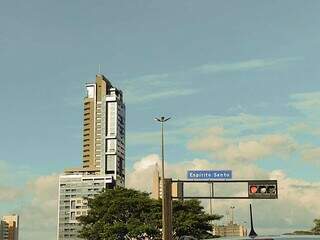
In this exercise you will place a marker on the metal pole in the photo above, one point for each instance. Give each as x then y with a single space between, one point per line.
212 196
210 199
164 230
162 152
167 200
252 233
232 214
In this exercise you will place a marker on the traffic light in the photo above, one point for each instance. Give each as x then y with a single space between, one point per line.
266 189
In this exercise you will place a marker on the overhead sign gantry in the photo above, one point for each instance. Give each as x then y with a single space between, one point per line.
257 189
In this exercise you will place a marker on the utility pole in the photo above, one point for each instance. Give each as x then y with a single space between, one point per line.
167 209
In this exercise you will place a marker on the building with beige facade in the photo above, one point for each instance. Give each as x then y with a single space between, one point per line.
9 227
4 230
103 152
103 131
156 183
230 230
156 191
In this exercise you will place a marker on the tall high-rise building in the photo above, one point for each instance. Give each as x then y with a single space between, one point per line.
103 164
104 129
10 227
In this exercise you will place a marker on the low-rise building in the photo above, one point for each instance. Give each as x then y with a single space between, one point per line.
74 192
4 230
230 230
156 192
9 227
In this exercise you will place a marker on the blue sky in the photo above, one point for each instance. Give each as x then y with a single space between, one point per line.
248 68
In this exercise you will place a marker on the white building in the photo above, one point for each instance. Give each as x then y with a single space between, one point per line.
74 190
230 230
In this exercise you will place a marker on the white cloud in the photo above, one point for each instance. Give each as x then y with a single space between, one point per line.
243 65
140 97
38 217
229 123
213 141
153 87
8 194
243 149
311 154
35 202
178 130
141 176
308 103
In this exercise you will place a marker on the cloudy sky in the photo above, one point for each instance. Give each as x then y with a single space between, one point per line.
240 79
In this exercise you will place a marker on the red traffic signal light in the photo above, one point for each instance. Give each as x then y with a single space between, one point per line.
253 189
267 189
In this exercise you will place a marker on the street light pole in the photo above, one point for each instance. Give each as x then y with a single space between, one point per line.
232 214
162 120
162 152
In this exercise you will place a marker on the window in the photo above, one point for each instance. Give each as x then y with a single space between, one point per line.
110 145
110 163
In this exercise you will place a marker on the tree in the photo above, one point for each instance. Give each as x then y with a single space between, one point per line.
129 214
189 218
316 228
121 214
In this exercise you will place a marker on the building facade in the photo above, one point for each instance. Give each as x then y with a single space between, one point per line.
230 230
9 228
74 190
103 164
4 230
104 130
156 191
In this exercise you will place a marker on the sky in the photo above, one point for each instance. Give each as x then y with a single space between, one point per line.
240 80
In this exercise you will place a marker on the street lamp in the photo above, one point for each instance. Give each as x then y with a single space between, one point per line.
162 120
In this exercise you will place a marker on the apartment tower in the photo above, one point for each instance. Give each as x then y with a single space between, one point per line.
103 163
104 130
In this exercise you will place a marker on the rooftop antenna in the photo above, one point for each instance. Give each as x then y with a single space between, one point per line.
99 68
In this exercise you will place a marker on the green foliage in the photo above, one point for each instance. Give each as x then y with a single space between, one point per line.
119 214
127 214
189 218
316 228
